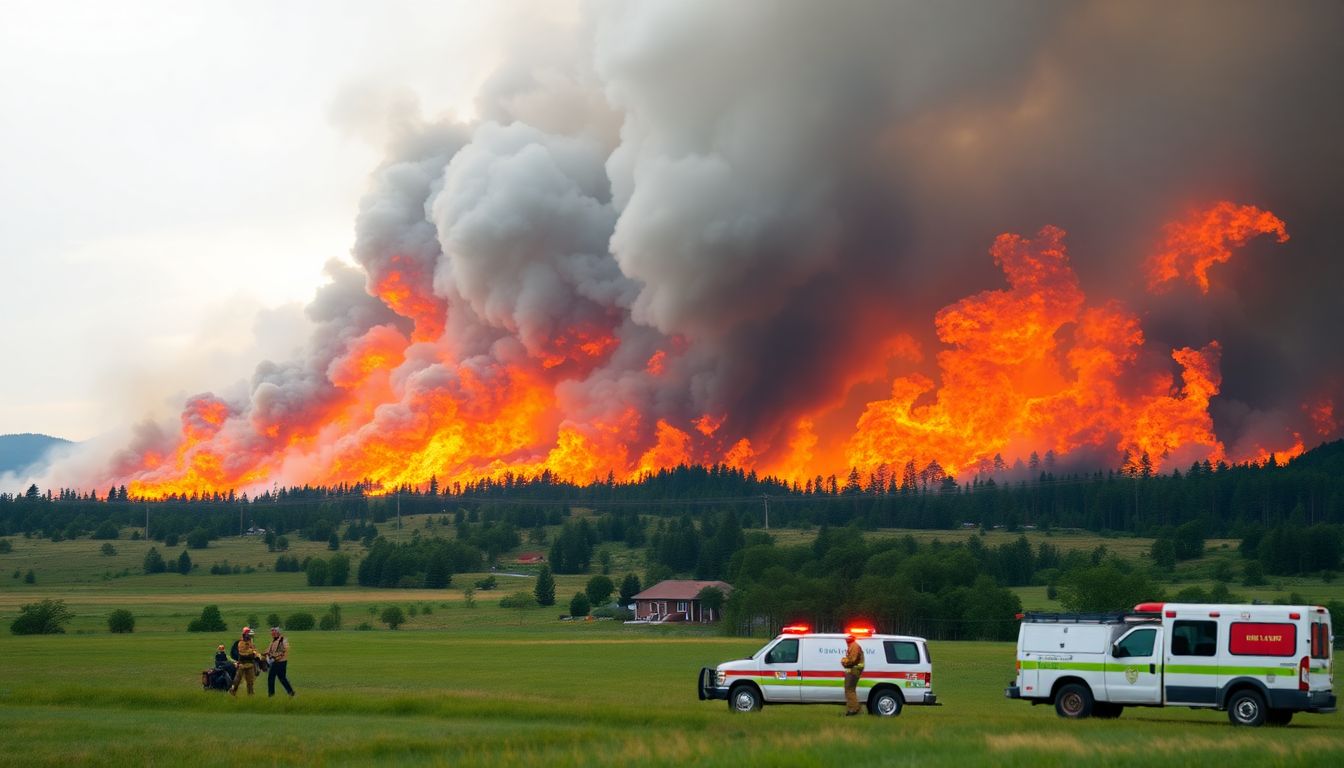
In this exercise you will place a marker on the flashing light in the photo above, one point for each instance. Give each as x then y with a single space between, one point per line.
796 629
1171 614
859 631
1304 674
1294 616
1149 607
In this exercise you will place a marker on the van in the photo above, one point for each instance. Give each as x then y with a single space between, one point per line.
803 667
1259 663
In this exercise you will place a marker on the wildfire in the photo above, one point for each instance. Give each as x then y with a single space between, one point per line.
1035 366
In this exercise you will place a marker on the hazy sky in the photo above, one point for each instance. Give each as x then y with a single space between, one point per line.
174 176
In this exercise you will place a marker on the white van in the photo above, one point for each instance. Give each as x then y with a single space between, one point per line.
1260 663
803 667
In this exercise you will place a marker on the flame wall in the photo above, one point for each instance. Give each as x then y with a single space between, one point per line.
755 233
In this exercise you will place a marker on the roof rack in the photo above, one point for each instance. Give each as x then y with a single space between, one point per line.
1115 617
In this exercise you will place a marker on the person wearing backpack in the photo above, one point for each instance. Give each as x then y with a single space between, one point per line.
247 663
278 654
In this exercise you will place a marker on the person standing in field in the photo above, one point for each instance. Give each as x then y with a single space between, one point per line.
278 653
247 663
853 664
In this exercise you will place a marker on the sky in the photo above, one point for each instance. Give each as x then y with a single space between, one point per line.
174 177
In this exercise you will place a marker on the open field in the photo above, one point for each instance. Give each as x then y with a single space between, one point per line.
487 686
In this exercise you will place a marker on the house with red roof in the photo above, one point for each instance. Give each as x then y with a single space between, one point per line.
530 558
677 600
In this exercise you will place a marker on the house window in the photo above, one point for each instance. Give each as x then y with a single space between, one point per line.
681 606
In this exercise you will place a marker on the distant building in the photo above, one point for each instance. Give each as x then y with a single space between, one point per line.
675 600
530 558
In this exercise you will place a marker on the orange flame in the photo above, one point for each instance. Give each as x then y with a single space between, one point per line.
1206 238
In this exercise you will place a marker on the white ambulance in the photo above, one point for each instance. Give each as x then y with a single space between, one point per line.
1260 663
803 667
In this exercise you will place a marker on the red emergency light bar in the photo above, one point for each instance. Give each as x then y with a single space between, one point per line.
1149 607
859 631
796 629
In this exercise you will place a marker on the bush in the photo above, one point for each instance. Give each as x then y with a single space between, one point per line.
108 530
364 626
120 621
287 564
613 612
300 622
317 572
210 620
327 623
45 618
199 538
154 561
1253 574
518 600
393 617
489 582
107 549
579 605
338 570
30 577
170 540
6 546
599 589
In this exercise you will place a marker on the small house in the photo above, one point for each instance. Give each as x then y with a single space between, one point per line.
677 600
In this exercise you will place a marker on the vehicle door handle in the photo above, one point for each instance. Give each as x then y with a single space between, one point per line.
1152 669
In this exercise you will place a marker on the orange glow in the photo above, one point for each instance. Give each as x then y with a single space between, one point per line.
1033 367
1192 246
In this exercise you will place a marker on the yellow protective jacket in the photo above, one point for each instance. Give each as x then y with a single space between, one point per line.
853 660
247 653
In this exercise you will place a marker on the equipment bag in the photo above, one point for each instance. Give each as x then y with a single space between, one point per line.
233 651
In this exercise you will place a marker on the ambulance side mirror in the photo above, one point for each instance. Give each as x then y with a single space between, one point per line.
1117 651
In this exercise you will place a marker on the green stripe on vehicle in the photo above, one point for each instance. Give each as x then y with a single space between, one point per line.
1078 666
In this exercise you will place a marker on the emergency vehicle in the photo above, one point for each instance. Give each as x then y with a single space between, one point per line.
800 666
1260 663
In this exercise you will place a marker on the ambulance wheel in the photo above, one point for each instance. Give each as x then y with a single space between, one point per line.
885 702
1246 707
744 698
1279 716
1074 701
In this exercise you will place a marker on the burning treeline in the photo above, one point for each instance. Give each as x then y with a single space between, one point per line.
686 233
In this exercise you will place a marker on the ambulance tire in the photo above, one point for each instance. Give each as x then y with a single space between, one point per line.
1074 701
1279 717
885 702
1246 707
744 698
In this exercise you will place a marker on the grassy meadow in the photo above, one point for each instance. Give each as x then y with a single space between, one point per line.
487 686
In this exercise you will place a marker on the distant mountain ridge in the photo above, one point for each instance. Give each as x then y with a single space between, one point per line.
19 451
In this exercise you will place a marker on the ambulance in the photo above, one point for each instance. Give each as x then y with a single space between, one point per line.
800 666
1259 663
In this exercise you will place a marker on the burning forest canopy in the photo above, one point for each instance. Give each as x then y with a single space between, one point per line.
806 238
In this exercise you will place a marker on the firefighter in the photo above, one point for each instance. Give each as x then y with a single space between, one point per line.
853 664
278 654
247 663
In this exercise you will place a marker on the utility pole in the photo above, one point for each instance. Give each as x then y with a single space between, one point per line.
398 510
146 521
766 498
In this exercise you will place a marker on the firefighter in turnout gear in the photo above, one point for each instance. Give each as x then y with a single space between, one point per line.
853 664
247 663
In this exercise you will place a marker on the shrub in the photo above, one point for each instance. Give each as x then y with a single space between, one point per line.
599 589
184 563
579 605
272 619
107 549
199 538
327 623
154 561
45 618
613 612
287 564
393 617
108 530
489 582
518 600
30 577
210 620
317 572
120 621
469 597
170 540
334 543
338 570
364 626
300 622
6 547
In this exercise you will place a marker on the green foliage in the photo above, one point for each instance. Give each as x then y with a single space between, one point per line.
1163 554
1111 586
30 577
316 572
469 597
210 620
544 591
488 583
711 600
48 617
184 563
154 561
120 621
338 570
272 619
393 617
572 550
579 605
423 561
330 620
107 550
300 622
519 600
170 540
105 530
599 589
334 542
287 564
629 588
6 546
1253 574
198 538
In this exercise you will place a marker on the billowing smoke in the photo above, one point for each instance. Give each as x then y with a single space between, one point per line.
760 233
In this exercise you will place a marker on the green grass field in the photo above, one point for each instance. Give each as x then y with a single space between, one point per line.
487 686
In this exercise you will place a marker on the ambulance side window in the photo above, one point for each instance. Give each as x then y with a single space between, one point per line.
1194 638
1138 644
784 652
900 652
1320 640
